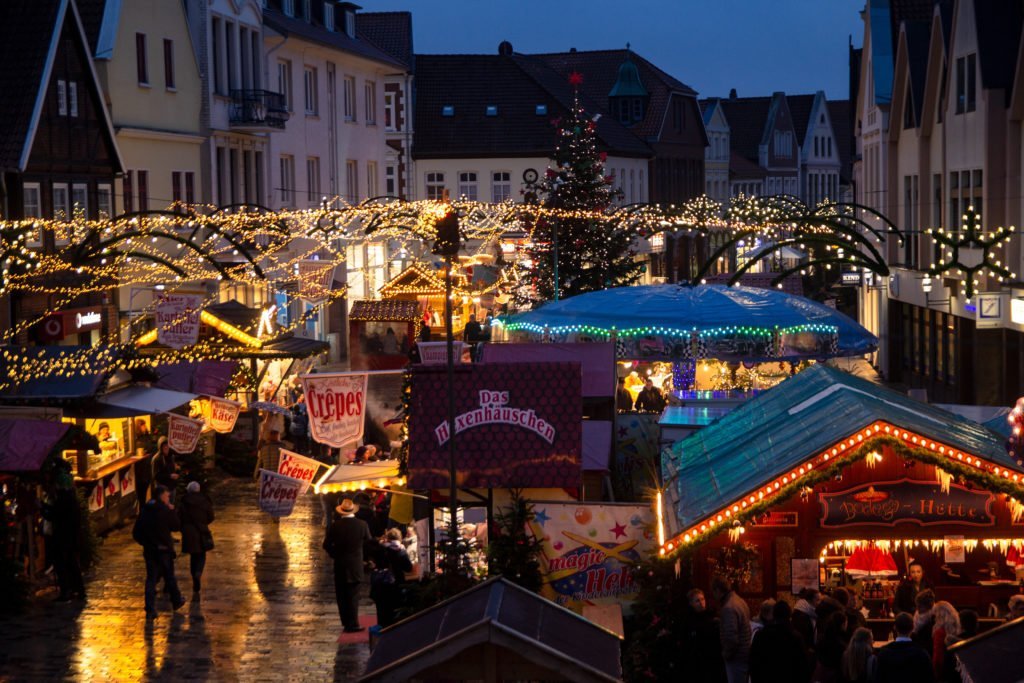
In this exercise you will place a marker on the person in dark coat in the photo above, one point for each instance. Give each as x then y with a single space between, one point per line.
153 532
777 654
472 332
831 645
390 564
346 540
701 643
66 516
906 592
165 468
901 661
196 513
623 399
650 399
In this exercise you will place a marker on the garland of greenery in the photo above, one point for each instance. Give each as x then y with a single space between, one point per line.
824 472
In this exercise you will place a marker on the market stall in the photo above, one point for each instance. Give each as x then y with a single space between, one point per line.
832 480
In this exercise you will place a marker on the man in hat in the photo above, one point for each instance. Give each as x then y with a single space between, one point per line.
345 541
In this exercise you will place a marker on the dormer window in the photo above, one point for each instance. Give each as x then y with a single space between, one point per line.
448 110
288 7
350 23
492 110
628 97
328 16
542 110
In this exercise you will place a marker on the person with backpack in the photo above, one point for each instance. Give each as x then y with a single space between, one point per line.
390 565
153 532
196 513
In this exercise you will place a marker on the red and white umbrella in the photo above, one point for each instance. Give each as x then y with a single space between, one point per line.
870 561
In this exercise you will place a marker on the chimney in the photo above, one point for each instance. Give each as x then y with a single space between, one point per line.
505 48
732 94
572 49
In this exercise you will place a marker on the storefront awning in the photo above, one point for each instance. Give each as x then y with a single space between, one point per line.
24 444
143 401
377 474
781 430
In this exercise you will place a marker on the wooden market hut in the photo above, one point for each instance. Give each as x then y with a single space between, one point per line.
426 288
827 463
495 631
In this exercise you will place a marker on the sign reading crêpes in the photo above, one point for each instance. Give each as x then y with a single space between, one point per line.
336 403
888 503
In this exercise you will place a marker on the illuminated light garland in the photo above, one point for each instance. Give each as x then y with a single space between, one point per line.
952 242
848 545
712 333
822 466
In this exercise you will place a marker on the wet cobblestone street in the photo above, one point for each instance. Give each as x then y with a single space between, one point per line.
267 610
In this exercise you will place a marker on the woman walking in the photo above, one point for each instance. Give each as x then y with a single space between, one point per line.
196 514
859 662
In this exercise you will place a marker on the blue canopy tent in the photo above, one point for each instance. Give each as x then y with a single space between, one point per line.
774 434
670 322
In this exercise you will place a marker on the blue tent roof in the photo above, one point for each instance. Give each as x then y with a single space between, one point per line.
674 309
789 424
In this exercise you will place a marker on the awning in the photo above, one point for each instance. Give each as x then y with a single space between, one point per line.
144 401
348 477
24 444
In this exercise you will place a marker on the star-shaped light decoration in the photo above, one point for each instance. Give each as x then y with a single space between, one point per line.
540 516
575 79
619 530
971 252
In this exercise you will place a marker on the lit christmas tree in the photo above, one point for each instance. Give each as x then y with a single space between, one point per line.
590 256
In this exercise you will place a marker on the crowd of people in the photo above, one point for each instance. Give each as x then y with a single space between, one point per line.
822 638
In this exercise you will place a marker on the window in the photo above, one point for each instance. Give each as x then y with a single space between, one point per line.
492 110
287 168
966 83
142 185
309 77
448 110
501 186
541 110
349 98
284 83
390 184
352 180
911 224
313 179
129 195
80 200
370 94
390 110
72 98
965 191
190 187
168 64
142 71
62 98
328 16
435 185
218 84
371 178
176 186
829 140
61 208
467 185
307 13
31 201
288 7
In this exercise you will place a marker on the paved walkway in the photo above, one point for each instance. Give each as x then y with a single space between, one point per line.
267 612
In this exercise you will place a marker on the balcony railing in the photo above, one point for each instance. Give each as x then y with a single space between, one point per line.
258 109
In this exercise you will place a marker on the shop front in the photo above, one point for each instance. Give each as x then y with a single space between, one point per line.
829 480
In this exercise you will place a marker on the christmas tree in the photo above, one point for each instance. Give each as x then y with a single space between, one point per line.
590 255
513 550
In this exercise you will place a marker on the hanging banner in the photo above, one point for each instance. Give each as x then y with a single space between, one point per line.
183 433
336 403
298 467
113 485
128 481
315 279
888 503
220 414
96 498
177 319
278 493
590 551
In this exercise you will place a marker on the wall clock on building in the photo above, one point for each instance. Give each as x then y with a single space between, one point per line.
530 176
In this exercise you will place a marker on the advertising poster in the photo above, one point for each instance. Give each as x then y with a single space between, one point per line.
315 279
278 493
183 433
590 551
336 403
221 414
954 549
516 425
298 467
177 319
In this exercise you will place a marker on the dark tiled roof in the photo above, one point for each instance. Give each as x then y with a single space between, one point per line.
800 109
315 32
390 31
741 168
515 85
91 12
26 31
842 127
385 309
747 117
999 26
918 40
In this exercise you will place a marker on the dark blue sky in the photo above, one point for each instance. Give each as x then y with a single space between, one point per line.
755 46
